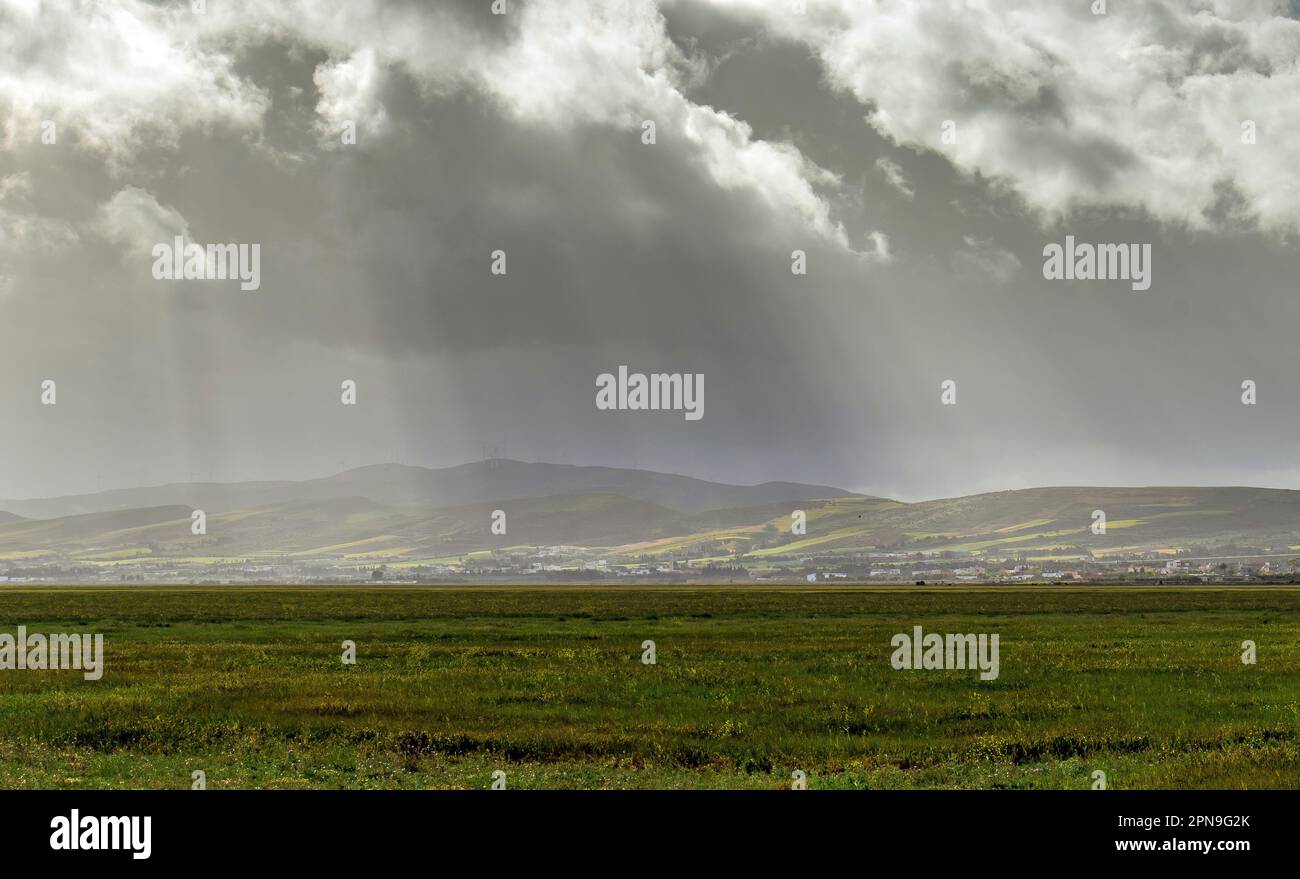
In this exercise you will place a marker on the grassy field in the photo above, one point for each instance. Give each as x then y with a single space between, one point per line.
547 684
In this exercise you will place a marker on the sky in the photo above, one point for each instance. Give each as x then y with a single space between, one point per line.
921 155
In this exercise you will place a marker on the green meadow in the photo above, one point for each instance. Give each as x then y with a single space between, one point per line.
750 684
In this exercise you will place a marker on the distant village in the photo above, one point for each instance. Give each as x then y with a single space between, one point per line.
574 564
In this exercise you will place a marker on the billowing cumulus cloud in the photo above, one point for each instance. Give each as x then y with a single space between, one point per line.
1145 107
119 75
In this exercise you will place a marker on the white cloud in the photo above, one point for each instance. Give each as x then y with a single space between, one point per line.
893 173
134 219
612 63
349 93
15 186
127 74
878 251
1138 109
115 76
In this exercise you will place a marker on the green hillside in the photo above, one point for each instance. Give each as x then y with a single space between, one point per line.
1032 522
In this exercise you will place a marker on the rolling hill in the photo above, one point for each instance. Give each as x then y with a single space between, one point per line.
410 514
1046 521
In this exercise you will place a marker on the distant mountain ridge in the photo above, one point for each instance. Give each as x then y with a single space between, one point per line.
404 485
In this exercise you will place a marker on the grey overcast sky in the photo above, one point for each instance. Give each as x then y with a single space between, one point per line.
775 131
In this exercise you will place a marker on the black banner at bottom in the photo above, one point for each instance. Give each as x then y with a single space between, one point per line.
140 829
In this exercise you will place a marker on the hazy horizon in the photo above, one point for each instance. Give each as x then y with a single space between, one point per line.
775 479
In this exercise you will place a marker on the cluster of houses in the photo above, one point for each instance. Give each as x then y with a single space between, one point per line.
561 563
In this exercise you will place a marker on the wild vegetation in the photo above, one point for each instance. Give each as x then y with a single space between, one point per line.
749 685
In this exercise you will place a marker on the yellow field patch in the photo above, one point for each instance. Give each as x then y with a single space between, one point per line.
337 547
1032 523
798 545
24 554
